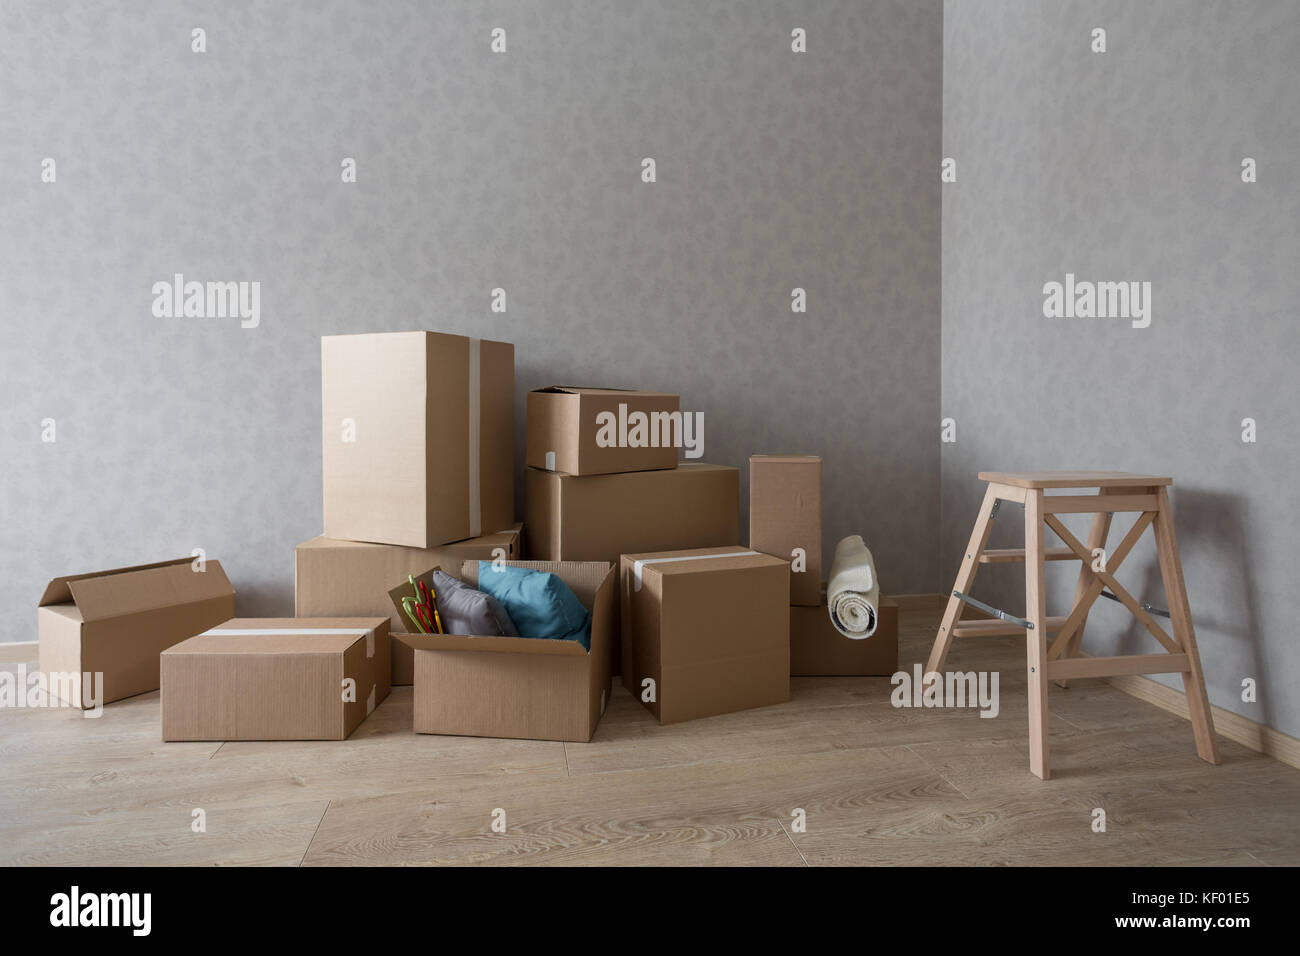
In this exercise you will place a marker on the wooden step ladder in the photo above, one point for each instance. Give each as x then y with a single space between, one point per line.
1116 492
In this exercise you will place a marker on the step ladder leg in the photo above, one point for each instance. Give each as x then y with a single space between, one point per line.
1097 536
1036 639
1180 617
965 575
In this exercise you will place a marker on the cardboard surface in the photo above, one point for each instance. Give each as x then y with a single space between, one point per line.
600 517
711 631
352 578
275 679
818 650
117 622
431 421
785 512
562 430
518 687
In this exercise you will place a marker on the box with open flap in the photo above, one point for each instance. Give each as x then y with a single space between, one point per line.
117 622
520 687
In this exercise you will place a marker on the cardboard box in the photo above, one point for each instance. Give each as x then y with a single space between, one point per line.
818 650
709 626
418 437
599 517
600 431
516 686
116 623
785 513
275 679
352 578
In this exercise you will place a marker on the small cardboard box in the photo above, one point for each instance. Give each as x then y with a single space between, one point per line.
117 622
516 686
275 679
418 437
785 513
600 431
352 578
818 650
709 626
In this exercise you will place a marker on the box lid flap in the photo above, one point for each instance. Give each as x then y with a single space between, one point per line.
404 590
697 560
131 590
791 459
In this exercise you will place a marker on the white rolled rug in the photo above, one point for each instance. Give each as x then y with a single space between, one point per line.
852 594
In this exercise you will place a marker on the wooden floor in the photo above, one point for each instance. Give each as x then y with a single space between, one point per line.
879 785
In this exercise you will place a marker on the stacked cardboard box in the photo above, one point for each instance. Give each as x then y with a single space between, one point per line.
596 488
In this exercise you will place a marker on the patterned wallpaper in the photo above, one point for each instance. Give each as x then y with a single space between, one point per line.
475 170
1131 165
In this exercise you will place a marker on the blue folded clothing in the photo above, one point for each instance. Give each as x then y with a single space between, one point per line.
539 603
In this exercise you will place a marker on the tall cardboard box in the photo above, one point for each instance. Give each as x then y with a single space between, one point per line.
785 513
600 431
275 679
709 626
117 622
516 686
818 650
599 517
352 578
418 437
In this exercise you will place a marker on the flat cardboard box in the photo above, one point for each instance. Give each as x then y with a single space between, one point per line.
516 686
418 437
564 433
818 650
275 679
352 578
785 513
709 626
117 622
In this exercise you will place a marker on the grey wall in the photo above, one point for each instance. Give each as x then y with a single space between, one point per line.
1126 165
475 171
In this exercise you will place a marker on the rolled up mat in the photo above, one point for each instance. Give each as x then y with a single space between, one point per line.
852 594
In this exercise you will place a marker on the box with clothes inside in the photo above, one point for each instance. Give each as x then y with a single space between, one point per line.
516 649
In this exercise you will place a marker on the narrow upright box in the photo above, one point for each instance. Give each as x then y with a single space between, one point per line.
518 687
352 578
710 627
418 437
116 623
785 517
817 649
275 679
600 431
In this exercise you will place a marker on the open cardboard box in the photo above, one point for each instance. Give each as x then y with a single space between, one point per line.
479 686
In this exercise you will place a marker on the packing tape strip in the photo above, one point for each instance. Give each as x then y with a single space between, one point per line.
475 378
370 701
550 461
638 565
370 644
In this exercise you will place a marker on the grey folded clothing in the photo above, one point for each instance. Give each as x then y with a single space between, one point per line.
465 610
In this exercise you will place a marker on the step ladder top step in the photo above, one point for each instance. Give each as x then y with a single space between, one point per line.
1073 479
